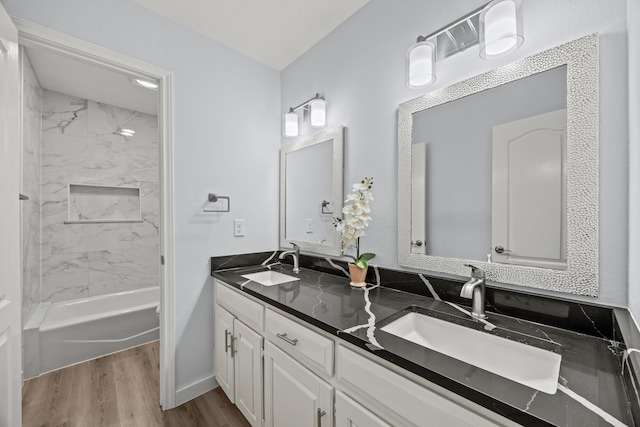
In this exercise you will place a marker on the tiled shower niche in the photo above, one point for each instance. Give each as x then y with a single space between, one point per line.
103 204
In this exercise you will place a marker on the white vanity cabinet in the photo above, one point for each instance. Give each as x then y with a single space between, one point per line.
238 357
298 372
351 414
293 395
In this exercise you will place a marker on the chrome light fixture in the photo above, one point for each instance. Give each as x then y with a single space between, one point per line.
421 63
314 110
290 124
500 28
496 27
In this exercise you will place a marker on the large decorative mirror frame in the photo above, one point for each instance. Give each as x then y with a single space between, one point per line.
581 275
327 206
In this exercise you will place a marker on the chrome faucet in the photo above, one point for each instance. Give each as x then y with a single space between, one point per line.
474 290
295 253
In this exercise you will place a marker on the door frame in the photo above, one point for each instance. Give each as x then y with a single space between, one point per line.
36 36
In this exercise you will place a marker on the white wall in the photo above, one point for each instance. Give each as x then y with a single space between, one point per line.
226 126
634 158
359 68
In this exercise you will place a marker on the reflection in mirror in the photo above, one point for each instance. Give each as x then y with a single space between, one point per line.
309 186
311 182
488 174
502 169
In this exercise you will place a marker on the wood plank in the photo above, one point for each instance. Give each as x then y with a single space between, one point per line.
121 389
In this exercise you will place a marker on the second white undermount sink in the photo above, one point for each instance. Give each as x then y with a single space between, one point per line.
528 365
270 278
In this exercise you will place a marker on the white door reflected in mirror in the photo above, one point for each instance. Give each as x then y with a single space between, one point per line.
528 191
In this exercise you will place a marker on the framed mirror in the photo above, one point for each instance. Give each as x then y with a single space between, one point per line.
311 190
501 170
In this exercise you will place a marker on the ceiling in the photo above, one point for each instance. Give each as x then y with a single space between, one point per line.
83 80
274 32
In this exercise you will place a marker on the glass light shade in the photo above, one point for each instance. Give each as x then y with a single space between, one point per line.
290 124
318 113
500 28
421 64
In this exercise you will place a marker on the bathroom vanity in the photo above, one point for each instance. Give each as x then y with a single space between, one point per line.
314 351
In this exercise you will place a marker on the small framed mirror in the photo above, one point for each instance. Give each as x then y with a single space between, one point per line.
311 192
501 170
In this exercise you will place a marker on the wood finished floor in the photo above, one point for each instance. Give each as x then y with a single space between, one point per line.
121 389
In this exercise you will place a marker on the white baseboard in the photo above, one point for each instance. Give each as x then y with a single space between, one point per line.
196 389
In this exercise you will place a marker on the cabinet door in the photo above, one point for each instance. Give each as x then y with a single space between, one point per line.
351 414
294 396
248 372
223 354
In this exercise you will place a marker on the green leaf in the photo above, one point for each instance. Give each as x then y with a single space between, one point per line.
361 263
368 256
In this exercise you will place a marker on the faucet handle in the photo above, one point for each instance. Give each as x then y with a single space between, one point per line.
294 245
476 271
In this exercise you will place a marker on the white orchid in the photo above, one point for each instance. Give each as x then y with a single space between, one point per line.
356 218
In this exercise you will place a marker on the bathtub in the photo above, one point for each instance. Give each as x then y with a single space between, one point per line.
83 329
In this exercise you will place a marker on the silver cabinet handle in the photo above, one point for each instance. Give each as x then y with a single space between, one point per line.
417 243
233 345
285 338
227 346
320 415
500 250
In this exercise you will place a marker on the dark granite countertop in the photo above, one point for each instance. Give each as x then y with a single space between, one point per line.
590 391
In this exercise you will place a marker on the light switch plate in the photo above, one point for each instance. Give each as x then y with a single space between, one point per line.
309 226
238 227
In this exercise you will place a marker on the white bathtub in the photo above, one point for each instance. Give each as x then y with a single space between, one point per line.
83 329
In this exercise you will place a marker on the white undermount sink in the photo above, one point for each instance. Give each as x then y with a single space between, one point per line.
531 366
270 278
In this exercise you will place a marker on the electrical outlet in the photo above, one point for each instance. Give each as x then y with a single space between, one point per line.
309 226
238 227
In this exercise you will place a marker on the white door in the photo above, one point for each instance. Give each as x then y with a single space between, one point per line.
351 414
223 352
529 191
248 372
10 329
293 395
418 198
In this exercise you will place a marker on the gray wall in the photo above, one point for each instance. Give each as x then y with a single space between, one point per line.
226 111
359 68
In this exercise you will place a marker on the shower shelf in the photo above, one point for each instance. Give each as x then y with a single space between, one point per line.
101 204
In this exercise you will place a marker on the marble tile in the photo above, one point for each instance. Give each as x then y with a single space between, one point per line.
78 238
123 269
103 203
64 114
30 186
81 147
65 276
147 233
106 120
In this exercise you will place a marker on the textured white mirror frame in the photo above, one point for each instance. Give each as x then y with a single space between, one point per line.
581 276
337 136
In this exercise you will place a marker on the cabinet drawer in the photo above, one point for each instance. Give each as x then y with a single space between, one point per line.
301 342
248 311
401 395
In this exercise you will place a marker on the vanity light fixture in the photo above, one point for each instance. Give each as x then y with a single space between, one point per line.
144 83
314 109
496 27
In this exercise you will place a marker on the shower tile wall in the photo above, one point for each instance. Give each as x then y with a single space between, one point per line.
80 146
31 178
